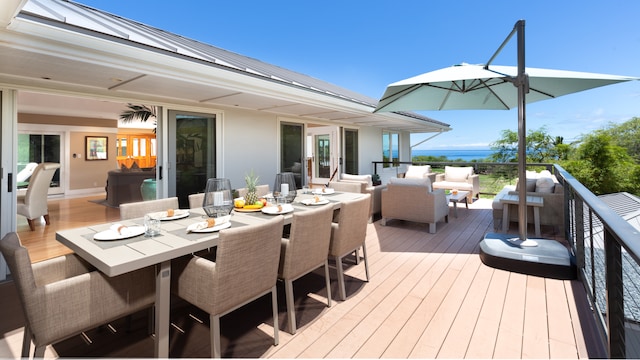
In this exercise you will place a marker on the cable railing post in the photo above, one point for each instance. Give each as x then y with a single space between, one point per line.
615 297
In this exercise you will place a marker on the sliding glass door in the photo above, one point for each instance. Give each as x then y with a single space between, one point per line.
192 153
35 148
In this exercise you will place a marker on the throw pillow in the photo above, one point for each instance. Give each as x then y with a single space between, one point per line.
544 185
412 182
531 184
124 168
361 178
457 174
417 171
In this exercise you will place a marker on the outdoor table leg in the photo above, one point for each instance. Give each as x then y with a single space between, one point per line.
163 299
505 217
536 220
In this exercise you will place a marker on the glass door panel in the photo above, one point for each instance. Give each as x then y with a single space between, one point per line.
192 153
291 151
350 151
38 148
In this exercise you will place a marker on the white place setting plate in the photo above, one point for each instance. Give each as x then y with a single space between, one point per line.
324 191
202 226
119 232
177 214
314 202
273 210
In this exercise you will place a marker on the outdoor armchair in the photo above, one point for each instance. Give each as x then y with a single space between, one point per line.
64 296
414 200
460 178
305 250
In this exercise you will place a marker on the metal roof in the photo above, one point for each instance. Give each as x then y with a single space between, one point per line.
79 18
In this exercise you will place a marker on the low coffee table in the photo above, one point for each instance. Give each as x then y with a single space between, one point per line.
532 200
458 198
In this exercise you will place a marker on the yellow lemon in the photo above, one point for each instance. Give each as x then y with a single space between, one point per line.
238 203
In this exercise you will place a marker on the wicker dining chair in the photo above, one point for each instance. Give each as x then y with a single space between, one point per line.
305 250
245 269
64 296
348 235
140 208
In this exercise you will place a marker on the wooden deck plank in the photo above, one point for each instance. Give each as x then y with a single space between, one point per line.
509 340
535 335
562 343
483 341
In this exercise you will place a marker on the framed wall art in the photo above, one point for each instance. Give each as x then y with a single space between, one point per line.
96 147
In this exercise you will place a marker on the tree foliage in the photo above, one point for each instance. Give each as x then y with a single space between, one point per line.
541 147
602 166
627 135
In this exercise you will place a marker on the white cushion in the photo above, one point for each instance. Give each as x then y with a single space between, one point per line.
457 174
544 185
412 182
417 171
361 178
531 184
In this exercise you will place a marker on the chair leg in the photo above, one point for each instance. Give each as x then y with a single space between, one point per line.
215 336
366 262
46 219
26 342
356 253
328 281
432 228
341 288
39 353
274 305
32 226
291 312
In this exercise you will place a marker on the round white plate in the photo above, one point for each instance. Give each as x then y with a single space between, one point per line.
129 232
177 214
273 210
314 202
197 228
324 191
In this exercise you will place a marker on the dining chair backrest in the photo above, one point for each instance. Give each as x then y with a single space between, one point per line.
246 263
351 229
139 209
308 243
196 200
35 199
261 190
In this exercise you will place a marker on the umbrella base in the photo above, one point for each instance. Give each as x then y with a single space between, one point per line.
549 259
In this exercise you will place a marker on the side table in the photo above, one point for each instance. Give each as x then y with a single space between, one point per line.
535 201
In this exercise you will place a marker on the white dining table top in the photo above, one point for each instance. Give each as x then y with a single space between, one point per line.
115 257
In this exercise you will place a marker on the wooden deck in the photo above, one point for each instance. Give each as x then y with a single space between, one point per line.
429 296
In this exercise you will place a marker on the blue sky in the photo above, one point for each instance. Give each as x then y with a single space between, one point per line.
366 45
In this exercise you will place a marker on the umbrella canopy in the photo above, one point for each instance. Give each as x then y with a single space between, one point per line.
469 86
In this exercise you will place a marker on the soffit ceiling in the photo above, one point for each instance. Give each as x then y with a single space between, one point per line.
72 49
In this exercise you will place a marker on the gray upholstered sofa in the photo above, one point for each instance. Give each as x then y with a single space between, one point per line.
124 186
540 184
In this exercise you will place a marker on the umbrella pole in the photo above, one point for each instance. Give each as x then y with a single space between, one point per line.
522 82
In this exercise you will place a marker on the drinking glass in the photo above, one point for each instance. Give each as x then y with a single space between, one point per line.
151 226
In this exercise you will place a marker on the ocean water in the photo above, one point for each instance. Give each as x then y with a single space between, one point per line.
452 155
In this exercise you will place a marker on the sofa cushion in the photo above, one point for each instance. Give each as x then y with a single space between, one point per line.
544 185
417 171
360 178
457 174
450 185
412 182
531 184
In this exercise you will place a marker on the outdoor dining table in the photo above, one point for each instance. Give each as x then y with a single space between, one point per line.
117 257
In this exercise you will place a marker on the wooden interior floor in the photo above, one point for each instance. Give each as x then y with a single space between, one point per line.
429 296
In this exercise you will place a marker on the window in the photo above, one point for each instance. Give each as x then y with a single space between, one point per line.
390 146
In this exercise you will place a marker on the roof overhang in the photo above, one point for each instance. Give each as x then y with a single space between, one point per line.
42 49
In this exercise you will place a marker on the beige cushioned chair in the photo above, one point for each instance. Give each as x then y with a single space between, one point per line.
349 234
305 250
64 296
140 208
461 178
245 269
414 200
33 204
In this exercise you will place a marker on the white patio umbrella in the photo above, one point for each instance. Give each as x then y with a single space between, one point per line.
492 87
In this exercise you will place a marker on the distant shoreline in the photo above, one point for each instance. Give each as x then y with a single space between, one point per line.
464 155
